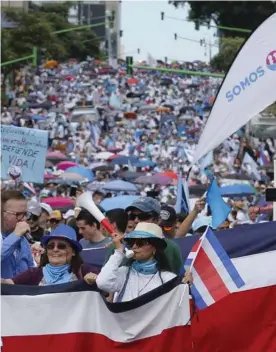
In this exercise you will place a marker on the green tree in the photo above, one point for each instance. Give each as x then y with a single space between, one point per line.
238 14
227 53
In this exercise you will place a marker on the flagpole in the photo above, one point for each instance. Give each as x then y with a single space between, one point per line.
274 203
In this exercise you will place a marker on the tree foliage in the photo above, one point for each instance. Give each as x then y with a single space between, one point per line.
37 27
238 14
227 53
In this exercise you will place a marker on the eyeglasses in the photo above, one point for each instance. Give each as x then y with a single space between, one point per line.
141 216
140 242
59 245
19 215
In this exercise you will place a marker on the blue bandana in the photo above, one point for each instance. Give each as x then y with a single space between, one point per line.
146 268
56 274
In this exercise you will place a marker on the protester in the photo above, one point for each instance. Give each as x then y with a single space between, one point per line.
55 219
46 211
60 263
16 256
89 228
118 219
34 210
147 270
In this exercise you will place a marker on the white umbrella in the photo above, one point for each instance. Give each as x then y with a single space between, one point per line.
103 155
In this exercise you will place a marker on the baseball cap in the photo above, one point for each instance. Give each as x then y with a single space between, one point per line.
56 214
70 213
46 207
168 216
146 205
201 221
34 207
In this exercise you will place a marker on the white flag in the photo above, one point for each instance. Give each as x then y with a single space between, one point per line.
248 88
151 61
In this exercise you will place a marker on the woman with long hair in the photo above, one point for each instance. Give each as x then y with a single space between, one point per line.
144 272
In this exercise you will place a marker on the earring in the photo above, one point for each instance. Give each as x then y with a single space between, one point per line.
153 253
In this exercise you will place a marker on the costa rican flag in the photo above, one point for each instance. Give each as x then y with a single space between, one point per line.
74 317
264 159
214 274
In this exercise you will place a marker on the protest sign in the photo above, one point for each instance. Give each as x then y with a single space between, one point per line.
24 148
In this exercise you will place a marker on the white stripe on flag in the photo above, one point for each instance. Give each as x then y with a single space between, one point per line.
86 312
201 288
223 273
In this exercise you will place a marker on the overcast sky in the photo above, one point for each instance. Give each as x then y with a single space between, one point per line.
142 28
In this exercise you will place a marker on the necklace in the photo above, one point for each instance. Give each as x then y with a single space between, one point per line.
140 290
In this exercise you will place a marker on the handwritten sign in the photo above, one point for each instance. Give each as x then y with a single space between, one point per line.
26 149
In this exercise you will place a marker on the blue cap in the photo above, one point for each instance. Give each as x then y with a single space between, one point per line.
201 221
146 205
65 232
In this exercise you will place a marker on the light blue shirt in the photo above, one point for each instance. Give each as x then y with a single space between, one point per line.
16 256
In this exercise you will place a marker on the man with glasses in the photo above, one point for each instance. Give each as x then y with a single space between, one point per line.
16 255
147 209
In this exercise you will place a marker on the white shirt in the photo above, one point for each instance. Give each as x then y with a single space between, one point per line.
112 278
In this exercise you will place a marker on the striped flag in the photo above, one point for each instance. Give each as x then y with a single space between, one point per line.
215 276
75 317
263 158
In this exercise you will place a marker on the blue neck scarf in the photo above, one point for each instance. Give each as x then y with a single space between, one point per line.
146 268
56 274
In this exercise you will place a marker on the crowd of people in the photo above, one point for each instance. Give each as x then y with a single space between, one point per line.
140 130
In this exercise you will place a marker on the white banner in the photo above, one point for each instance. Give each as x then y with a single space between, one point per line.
248 88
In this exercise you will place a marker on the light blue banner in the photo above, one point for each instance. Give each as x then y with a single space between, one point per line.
26 149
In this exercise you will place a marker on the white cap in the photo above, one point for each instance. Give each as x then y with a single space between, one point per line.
46 207
70 213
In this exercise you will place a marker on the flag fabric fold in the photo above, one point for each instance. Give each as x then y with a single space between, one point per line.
220 210
214 274
182 200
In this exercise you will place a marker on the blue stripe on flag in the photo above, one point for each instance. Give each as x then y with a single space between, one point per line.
199 301
225 260
188 262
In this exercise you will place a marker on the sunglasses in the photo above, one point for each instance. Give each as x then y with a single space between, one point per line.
59 245
32 217
140 242
54 221
141 216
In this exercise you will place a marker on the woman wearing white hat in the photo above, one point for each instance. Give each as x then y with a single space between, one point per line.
147 269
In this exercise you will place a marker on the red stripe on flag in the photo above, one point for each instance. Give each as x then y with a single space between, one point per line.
241 322
209 276
195 246
176 339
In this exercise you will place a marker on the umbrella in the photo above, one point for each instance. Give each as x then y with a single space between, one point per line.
163 109
132 81
120 186
72 176
237 190
154 179
120 202
143 163
104 168
124 160
48 176
38 118
51 64
56 155
103 155
58 202
147 108
82 171
114 150
170 174
130 115
131 175
64 165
